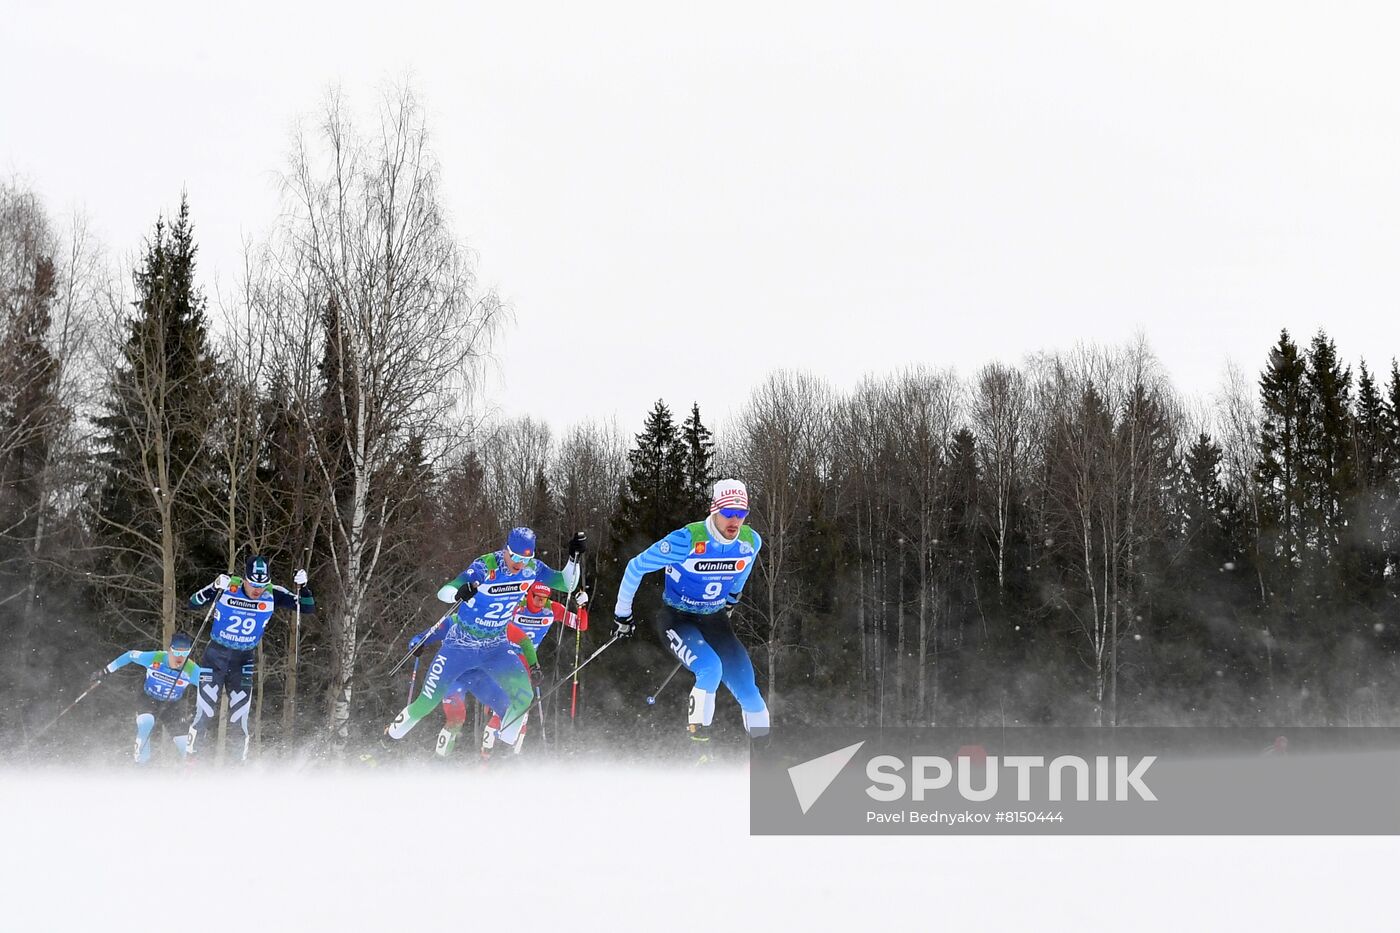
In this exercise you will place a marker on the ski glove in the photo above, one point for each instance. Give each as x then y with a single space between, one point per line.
536 676
581 599
466 591
221 582
414 642
623 626
578 545
299 578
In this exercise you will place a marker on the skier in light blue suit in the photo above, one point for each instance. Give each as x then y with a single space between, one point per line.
706 565
168 674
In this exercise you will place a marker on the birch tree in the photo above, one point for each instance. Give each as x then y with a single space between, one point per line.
999 413
1111 437
365 228
782 454
926 406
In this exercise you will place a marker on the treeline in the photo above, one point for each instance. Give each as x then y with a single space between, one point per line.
1067 541
1063 541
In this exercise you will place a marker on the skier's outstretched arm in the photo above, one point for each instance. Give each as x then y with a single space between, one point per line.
285 599
143 658
671 549
563 581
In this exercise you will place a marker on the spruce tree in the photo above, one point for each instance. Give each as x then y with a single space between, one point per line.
960 552
1373 461
699 455
654 501
1328 467
656 496
1203 503
541 514
1367 517
151 454
1390 500
1392 417
1283 432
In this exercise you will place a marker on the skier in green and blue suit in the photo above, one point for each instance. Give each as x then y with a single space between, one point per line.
476 652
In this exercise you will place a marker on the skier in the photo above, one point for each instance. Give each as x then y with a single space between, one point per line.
706 564
168 673
242 609
534 615
454 704
475 649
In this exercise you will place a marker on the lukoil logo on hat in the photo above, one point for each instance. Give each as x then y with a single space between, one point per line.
729 494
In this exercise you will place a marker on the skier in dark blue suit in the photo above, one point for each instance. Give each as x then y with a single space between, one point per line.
242 610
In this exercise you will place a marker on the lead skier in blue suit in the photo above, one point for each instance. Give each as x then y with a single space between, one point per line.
706 565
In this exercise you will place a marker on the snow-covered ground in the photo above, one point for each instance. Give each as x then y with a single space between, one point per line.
606 848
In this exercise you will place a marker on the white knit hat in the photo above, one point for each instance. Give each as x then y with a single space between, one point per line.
729 494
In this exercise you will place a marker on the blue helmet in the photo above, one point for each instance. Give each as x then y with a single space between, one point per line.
181 643
520 544
258 571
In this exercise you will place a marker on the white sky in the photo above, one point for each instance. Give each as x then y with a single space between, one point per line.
675 199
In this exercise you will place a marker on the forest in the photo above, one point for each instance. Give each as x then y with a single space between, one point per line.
1061 539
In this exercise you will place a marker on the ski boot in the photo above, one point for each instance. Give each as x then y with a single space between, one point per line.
373 759
701 752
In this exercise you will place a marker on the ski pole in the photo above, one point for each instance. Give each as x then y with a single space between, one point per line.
54 721
573 700
539 701
290 701
550 692
578 645
296 632
651 700
412 651
213 604
94 686
193 733
413 679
